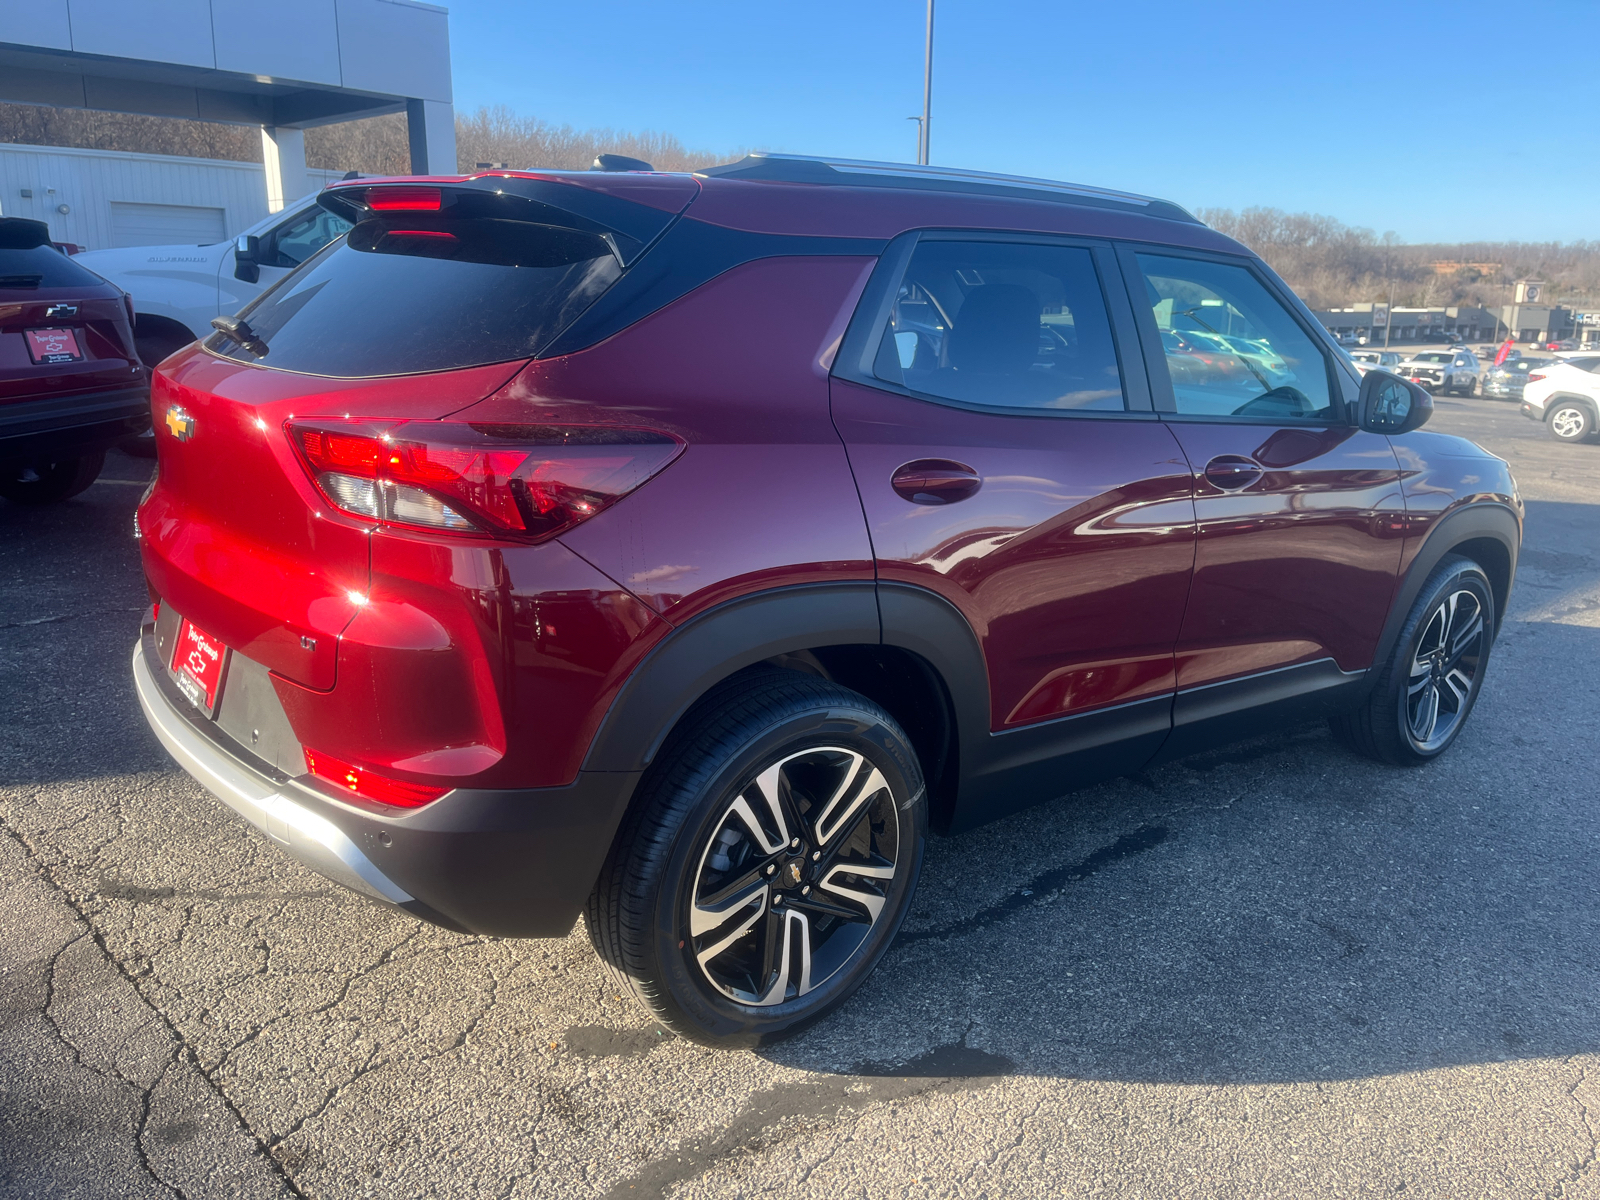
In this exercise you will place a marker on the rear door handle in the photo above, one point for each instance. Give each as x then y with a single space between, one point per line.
936 481
1231 472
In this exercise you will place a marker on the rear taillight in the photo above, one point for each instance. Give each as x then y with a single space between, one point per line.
368 784
1535 377
405 199
525 481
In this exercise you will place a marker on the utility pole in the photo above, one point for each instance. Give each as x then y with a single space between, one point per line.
927 94
1388 317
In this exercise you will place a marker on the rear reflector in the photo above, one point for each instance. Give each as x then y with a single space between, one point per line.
368 785
526 481
405 199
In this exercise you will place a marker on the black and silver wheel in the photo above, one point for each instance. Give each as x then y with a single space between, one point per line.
768 862
48 482
1570 421
1427 690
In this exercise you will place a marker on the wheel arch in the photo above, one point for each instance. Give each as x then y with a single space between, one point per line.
1556 399
148 324
902 647
1489 533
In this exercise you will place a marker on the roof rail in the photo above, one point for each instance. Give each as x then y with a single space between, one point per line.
853 172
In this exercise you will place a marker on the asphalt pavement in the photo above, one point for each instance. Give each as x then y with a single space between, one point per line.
1271 971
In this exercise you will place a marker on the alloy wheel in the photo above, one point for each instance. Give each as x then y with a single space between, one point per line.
1444 670
1568 423
794 876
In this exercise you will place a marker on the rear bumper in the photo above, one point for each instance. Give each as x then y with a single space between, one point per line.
1532 411
72 424
505 863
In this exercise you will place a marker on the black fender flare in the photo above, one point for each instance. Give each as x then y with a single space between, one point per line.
1481 521
702 652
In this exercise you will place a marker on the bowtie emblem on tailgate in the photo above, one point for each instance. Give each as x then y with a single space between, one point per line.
180 423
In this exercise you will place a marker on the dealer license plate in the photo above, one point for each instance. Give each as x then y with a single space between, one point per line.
197 663
53 345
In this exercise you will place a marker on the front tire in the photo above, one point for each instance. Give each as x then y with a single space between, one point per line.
50 482
1428 688
1571 422
768 861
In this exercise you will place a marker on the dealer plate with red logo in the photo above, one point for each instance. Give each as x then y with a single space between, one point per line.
197 663
53 345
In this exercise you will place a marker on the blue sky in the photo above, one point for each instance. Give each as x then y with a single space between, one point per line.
1227 103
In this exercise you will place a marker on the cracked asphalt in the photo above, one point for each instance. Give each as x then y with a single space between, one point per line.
1271 971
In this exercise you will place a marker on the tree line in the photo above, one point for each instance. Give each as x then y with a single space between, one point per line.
1330 264
1333 265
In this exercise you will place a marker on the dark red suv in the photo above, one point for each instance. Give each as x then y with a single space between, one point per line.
681 549
71 384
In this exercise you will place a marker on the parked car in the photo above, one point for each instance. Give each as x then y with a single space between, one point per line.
1382 360
1565 395
656 547
71 386
1443 371
178 289
1506 381
1568 344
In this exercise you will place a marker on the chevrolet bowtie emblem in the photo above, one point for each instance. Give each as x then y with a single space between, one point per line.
180 423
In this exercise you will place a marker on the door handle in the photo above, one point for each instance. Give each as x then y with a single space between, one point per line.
1231 472
935 481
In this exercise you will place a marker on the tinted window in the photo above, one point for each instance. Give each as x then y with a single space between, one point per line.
1432 358
43 267
298 238
1003 324
404 294
1271 367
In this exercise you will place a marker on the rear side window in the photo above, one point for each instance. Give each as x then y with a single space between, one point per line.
482 277
1002 324
43 267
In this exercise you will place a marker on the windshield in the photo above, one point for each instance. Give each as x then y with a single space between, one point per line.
1434 358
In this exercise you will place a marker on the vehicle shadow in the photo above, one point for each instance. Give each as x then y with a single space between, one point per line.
1274 911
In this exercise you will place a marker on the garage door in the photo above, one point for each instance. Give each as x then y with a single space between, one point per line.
165 224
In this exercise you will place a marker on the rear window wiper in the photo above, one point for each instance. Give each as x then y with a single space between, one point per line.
240 332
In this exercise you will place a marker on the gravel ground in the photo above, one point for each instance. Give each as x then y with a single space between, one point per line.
1274 970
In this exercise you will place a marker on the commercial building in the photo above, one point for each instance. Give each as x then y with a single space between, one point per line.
99 199
283 68
1372 321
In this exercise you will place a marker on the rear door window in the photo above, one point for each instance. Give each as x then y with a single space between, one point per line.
1004 325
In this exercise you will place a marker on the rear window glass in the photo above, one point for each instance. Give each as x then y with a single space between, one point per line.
407 293
43 267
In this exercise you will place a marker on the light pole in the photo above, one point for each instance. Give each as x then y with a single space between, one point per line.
918 120
927 94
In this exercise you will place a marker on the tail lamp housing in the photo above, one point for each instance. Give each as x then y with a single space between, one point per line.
527 482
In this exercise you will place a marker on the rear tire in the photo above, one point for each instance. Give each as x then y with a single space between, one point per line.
1428 688
1571 422
737 936
50 482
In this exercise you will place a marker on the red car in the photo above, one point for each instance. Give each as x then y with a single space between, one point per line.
681 549
71 386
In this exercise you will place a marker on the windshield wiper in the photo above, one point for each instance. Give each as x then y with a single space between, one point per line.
1249 366
241 332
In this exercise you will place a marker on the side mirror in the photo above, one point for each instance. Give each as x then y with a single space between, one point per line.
1390 404
246 258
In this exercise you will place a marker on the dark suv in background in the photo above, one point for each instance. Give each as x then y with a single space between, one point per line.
681 549
71 384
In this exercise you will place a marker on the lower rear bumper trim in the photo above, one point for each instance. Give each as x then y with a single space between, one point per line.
309 836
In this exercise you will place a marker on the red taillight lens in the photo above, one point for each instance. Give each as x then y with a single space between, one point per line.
405 199
369 785
528 481
1535 377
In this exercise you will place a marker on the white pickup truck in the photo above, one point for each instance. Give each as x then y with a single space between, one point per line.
176 290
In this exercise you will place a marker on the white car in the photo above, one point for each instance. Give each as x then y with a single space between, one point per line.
1442 371
1565 395
176 290
1375 360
